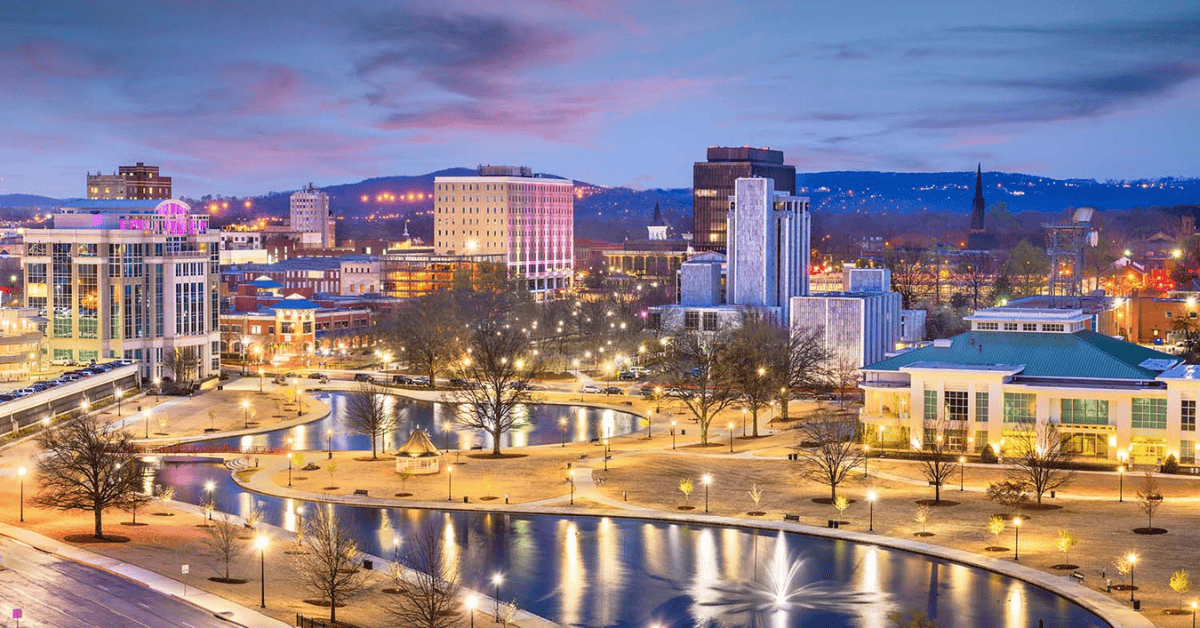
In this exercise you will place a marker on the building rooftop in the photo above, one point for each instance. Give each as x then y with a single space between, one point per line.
295 302
1028 314
1080 355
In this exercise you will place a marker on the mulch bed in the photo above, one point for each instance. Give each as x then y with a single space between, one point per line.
403 495
132 524
995 548
756 513
1043 507
495 457
299 478
87 539
1064 566
229 580
1123 587
827 501
370 459
930 502
1149 530
1177 611
330 488
922 534
686 507
487 499
1011 517
163 514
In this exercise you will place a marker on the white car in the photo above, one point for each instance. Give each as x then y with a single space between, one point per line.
593 389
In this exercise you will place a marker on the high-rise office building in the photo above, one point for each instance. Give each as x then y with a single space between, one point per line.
310 215
137 182
768 253
506 210
713 184
129 279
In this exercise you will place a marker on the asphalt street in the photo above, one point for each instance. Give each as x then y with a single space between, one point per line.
56 593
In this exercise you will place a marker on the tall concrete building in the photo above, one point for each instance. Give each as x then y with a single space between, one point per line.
137 182
713 183
767 263
310 216
507 211
769 247
132 279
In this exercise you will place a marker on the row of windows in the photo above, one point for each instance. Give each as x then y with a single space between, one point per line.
1149 412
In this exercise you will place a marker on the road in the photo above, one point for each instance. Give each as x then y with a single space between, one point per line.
56 593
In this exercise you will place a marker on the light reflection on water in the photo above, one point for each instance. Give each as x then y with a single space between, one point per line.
592 571
538 425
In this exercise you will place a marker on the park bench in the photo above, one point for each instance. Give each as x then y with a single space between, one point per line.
360 491
791 517
1077 576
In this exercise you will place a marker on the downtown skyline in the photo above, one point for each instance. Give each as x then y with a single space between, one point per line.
241 99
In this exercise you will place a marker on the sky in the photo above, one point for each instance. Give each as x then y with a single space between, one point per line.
246 96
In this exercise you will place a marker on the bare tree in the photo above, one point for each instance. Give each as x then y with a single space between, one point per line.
831 453
1039 460
700 360
367 413
497 371
975 270
801 361
1150 497
183 364
329 568
221 540
907 272
843 375
938 462
428 333
428 589
753 345
1012 494
88 467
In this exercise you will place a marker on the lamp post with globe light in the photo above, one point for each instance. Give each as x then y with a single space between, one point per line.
1132 558
497 578
261 544
21 472
707 479
472 603
1017 547
871 500
246 413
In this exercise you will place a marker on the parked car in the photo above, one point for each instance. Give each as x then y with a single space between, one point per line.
63 362
681 393
363 377
519 385
23 392
613 390
628 376
420 380
458 382
70 377
402 380
827 397
7 397
593 389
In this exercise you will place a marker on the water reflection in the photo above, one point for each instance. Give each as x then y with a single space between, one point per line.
536 425
587 571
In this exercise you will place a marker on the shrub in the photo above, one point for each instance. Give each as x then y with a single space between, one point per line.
988 455
1170 465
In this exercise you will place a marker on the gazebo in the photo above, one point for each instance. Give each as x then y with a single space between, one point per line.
418 456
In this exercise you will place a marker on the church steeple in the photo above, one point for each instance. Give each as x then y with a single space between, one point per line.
658 226
977 207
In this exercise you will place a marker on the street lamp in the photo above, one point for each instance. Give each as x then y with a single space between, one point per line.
1132 561
472 603
962 469
744 421
209 488
449 482
866 460
289 455
118 393
649 418
158 388
261 544
571 477
871 501
1121 475
562 423
707 479
1017 547
146 418
246 413
21 472
672 434
260 379
329 443
730 437
497 578
1194 604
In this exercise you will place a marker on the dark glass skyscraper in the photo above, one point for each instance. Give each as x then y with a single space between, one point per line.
713 183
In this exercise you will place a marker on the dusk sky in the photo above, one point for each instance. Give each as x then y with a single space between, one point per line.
245 96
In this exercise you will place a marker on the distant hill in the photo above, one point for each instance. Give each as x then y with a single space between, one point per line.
907 192
28 200
380 205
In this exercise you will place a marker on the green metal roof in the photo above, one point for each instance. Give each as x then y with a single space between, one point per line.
1079 355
